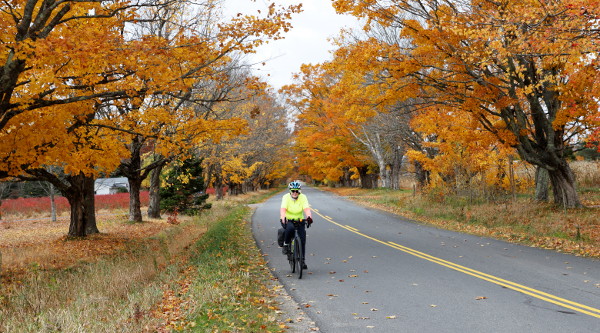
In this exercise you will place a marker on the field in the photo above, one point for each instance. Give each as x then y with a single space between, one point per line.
28 237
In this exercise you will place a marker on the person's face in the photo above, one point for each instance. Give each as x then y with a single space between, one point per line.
295 193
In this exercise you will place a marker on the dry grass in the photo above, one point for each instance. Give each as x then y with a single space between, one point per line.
587 173
104 283
43 244
76 285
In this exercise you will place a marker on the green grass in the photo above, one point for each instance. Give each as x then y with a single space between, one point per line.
232 280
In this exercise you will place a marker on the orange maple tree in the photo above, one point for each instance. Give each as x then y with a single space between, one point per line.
327 150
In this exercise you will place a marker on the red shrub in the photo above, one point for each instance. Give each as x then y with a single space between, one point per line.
33 206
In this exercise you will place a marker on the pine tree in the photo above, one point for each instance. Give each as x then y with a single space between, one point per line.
184 189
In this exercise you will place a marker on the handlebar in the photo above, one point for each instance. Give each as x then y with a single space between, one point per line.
296 223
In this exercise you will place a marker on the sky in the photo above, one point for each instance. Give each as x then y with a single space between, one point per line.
306 43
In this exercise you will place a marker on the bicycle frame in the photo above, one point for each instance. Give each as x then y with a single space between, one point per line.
296 257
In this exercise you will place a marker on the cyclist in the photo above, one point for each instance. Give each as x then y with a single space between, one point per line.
294 206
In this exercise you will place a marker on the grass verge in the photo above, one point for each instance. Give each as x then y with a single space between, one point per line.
228 282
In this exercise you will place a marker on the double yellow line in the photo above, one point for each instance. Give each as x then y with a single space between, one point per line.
588 310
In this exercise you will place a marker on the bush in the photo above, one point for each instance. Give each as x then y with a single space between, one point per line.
184 189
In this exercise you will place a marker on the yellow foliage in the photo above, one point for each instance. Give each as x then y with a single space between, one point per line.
79 86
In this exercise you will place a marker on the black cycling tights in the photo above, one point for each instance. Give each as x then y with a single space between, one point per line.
289 234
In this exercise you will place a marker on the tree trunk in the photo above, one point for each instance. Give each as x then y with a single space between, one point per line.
154 204
384 174
563 187
396 168
81 198
52 203
135 206
542 182
421 175
367 180
89 201
133 170
218 187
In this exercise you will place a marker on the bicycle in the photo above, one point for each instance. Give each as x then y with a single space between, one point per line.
294 255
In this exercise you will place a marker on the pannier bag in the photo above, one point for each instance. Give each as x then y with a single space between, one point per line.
280 235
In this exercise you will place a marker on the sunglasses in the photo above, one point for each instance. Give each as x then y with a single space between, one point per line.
295 191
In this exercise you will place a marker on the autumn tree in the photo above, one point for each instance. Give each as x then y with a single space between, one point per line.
64 63
213 80
64 60
521 69
260 155
375 117
322 142
363 104
153 132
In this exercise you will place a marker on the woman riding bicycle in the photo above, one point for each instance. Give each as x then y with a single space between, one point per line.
294 206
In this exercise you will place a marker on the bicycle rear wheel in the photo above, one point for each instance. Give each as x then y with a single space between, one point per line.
298 258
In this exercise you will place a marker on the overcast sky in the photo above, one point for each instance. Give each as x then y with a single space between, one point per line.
306 43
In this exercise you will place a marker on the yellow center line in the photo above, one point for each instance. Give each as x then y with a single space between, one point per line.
483 276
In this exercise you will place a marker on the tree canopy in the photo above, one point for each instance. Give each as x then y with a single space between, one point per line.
82 80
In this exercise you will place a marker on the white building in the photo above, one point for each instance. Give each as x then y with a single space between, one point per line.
111 185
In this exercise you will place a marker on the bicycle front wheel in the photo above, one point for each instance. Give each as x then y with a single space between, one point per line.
292 257
298 258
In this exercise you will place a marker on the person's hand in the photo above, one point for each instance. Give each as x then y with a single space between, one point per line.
283 221
309 221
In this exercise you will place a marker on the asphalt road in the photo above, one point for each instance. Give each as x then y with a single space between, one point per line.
370 271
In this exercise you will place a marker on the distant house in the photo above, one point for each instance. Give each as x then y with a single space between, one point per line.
111 185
